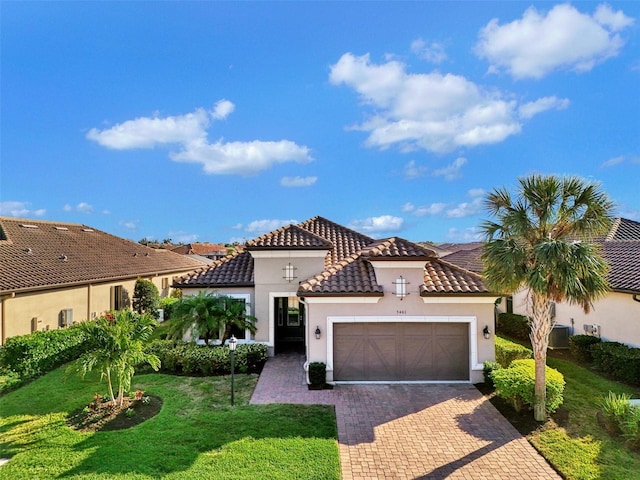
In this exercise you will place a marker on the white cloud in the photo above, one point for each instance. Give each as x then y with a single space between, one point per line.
467 209
244 158
408 207
189 133
529 110
19 209
564 38
84 207
298 181
413 170
433 112
129 224
613 161
259 227
222 109
67 207
471 234
183 237
377 225
433 209
451 172
433 52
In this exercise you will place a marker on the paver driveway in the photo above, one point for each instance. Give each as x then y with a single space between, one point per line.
411 431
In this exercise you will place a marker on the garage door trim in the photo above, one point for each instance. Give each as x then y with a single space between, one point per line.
472 322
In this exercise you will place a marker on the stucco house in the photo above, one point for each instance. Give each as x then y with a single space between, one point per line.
616 317
53 274
372 310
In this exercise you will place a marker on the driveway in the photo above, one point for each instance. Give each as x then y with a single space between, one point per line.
411 431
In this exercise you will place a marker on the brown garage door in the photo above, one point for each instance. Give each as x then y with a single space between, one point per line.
400 351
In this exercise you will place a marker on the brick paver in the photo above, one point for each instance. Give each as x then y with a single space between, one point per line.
411 431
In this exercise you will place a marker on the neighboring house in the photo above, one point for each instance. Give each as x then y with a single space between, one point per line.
372 310
207 250
53 274
615 317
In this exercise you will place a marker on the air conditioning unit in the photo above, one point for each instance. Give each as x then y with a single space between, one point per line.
559 337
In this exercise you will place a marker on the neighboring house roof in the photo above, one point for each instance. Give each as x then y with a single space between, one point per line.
621 249
37 254
348 267
448 248
203 249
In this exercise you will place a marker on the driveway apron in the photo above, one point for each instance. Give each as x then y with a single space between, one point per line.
411 431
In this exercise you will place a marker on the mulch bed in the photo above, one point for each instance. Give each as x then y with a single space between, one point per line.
104 416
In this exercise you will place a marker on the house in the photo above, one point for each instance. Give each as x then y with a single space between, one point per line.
53 274
206 250
616 317
372 310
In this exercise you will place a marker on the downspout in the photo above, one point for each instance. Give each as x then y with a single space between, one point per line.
307 334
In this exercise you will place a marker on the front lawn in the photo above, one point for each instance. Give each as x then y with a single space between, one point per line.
572 440
196 434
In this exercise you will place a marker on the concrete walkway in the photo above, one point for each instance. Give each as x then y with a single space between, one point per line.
411 431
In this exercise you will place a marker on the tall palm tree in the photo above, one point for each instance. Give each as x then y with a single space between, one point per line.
207 315
541 240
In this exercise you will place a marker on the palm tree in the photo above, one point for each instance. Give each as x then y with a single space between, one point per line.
542 241
207 315
116 346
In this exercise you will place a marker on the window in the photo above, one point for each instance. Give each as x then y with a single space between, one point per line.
239 333
117 298
65 318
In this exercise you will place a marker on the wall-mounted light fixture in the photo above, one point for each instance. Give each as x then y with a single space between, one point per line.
401 287
486 332
318 333
289 272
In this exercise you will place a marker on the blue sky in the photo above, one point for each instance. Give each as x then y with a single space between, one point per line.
207 121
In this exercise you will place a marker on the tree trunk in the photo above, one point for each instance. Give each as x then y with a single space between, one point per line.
541 326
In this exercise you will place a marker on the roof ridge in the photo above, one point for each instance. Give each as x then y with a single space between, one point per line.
342 227
459 268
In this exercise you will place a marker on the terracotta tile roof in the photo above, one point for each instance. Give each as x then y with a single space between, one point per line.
288 237
442 277
624 229
200 249
235 270
624 263
456 247
353 275
394 248
345 241
37 254
467 259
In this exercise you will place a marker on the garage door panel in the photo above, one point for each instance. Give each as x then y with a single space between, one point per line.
401 351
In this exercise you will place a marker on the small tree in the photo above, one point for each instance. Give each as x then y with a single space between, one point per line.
541 241
116 346
209 316
146 298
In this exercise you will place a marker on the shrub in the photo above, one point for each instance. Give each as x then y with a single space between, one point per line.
317 373
487 370
516 384
508 351
191 359
513 325
37 353
622 418
167 304
146 298
618 361
580 347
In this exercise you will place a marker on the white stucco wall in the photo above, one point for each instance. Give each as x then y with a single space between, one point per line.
618 316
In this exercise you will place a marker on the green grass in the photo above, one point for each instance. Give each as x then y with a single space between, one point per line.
583 450
197 435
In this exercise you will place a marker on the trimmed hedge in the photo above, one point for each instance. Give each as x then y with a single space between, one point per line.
487 371
580 347
618 361
513 325
516 384
37 353
508 351
189 358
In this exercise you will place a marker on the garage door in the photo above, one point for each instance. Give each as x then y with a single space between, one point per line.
400 351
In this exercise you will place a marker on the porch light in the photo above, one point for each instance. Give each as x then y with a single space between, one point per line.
318 333
289 272
233 341
486 332
401 287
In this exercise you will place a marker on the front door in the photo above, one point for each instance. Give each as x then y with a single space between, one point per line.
289 325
